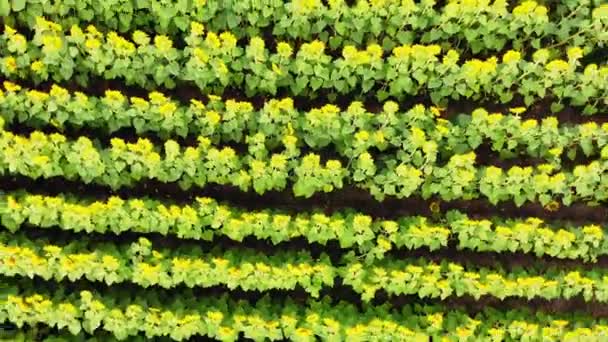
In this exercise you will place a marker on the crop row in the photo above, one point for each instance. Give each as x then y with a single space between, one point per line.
215 62
124 313
142 264
480 25
46 334
413 172
205 219
139 263
431 279
351 131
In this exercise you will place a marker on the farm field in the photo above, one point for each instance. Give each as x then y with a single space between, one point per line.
332 170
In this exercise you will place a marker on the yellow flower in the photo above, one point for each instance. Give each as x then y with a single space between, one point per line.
333 165
51 44
557 65
348 52
278 161
225 332
390 107
110 262
192 153
493 172
141 38
9 30
511 57
375 51
303 332
220 262
301 7
550 122
139 103
362 136
197 29
289 141
40 160
18 42
556 151
525 8
529 124
434 49
197 104
284 49
12 87
494 118
517 110
37 66
330 109
163 43
221 67
402 52
574 53
600 12
92 44
314 49
560 323
228 40
52 249
214 98
81 98
590 70
200 55
10 63
58 138
44 24
59 92
37 96
167 109
121 45
157 98
12 204
93 31
540 11
114 96
451 58
286 104
594 231
541 56
213 41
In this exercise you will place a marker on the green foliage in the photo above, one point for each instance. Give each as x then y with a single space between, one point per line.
106 268
352 131
126 313
142 264
445 279
214 62
205 219
124 164
475 26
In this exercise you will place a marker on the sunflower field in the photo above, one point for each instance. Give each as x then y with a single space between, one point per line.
304 170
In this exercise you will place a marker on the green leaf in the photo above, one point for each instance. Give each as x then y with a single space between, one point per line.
556 107
18 5
5 8
181 22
